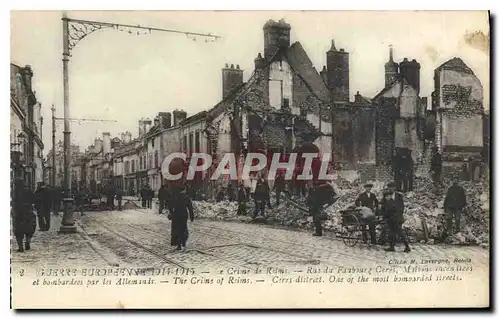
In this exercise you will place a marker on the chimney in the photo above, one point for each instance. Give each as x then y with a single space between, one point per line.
157 121
147 125
179 116
410 70
98 144
337 73
391 69
259 61
128 136
358 98
231 78
141 127
106 142
27 75
166 119
276 37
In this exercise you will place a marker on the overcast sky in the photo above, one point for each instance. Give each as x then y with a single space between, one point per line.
118 76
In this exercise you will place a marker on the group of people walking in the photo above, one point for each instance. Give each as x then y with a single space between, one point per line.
27 205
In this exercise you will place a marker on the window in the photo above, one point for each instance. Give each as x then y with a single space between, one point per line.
150 160
286 103
191 143
185 144
157 164
140 163
153 142
133 166
275 93
197 142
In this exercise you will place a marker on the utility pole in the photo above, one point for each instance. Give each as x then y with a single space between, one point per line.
53 178
73 32
54 119
68 222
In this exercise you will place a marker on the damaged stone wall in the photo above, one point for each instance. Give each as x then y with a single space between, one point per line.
384 131
459 102
354 135
406 136
315 111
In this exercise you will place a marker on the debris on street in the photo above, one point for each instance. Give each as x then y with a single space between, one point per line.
425 217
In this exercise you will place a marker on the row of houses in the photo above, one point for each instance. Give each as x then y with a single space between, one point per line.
26 124
287 103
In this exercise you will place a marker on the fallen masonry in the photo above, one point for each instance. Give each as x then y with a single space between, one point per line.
424 212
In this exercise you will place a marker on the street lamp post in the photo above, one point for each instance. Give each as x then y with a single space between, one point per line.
68 221
53 176
73 32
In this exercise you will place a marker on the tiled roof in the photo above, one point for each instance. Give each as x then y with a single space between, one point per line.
302 65
224 103
399 79
194 117
153 131
455 64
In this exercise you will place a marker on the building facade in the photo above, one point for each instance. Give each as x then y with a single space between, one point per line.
26 125
457 102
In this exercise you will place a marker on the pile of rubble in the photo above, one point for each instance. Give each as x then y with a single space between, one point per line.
424 213
425 217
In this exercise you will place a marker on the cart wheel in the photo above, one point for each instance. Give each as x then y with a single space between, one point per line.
352 231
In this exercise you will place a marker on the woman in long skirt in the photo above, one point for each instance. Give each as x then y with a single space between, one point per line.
181 210
24 219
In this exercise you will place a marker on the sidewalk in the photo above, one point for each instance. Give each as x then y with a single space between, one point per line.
50 249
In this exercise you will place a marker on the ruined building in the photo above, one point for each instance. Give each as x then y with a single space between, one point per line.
457 104
284 104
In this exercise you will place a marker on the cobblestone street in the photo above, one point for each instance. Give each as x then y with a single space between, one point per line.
141 238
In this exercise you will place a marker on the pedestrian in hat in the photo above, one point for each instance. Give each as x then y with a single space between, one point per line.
181 211
42 204
369 200
392 207
23 218
454 204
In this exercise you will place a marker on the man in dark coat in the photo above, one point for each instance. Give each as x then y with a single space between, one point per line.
261 196
406 170
42 205
279 186
454 203
162 198
392 207
230 192
119 197
110 196
436 167
79 199
368 199
182 209
320 194
150 195
242 199
143 194
23 218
